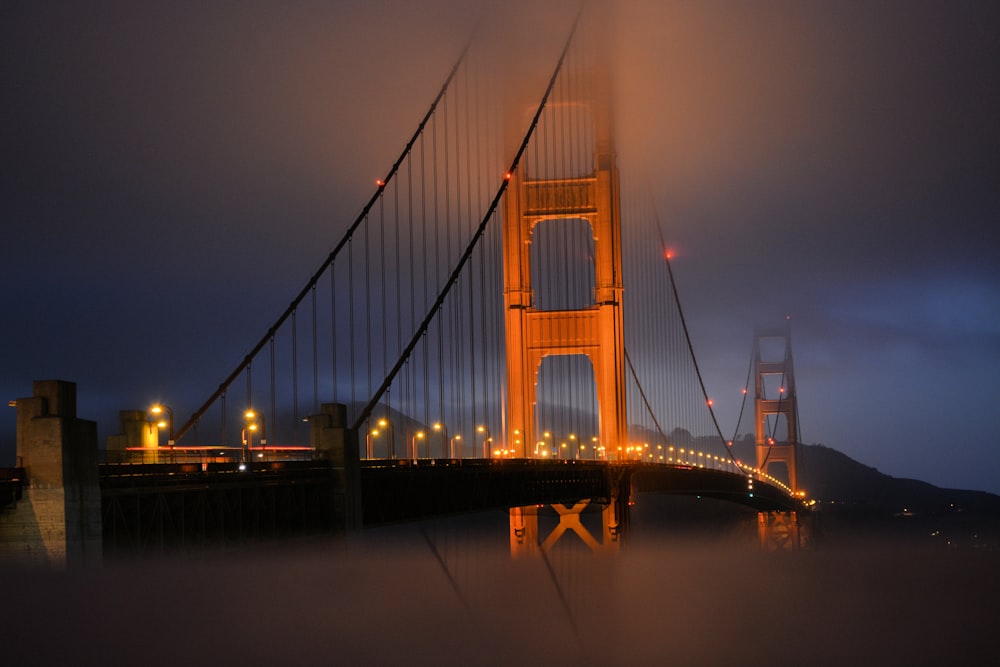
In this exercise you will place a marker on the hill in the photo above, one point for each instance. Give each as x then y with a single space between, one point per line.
853 497
832 477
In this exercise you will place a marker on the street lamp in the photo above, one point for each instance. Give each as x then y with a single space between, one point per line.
415 448
370 444
451 445
252 425
159 410
439 428
386 426
546 448
486 441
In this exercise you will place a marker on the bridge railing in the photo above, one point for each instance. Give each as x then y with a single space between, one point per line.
206 455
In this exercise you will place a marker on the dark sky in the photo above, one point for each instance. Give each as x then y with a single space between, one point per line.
173 172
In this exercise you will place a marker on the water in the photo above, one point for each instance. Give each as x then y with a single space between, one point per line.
447 592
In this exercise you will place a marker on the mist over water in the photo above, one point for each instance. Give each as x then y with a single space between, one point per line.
448 592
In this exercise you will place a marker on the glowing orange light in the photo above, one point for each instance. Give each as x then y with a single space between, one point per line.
379 182
507 176
669 254
710 402
744 391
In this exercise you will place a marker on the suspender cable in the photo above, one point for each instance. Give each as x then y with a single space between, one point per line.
331 257
315 355
435 307
295 377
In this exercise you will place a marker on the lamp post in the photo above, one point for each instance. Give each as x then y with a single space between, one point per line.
441 428
414 447
545 446
253 422
451 444
385 425
370 443
159 410
486 441
246 443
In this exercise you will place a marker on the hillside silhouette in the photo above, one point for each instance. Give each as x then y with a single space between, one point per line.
852 497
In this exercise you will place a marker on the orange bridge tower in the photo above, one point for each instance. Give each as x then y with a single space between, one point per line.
775 396
591 194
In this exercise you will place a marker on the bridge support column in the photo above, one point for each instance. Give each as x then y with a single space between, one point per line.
525 535
137 441
778 531
524 531
335 442
525 538
58 519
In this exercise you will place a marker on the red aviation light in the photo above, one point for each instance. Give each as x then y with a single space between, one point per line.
379 182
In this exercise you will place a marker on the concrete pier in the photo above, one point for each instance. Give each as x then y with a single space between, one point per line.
57 521
336 443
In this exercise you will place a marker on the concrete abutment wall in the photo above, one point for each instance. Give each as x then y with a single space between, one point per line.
57 521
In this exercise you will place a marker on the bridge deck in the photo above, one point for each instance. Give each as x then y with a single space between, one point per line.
158 507
406 490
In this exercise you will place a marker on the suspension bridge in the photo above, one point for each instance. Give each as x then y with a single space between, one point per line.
498 328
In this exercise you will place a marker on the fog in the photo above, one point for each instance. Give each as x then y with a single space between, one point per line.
448 593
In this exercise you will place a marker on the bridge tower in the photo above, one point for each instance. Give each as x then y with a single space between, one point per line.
769 450
596 330
776 529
